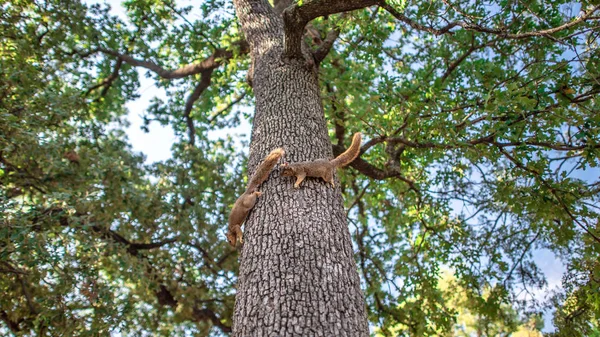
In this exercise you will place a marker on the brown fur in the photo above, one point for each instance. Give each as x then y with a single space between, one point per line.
238 215
242 206
322 168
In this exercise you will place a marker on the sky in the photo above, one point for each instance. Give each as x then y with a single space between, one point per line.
156 146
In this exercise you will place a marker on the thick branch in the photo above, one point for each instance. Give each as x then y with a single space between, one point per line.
296 17
12 325
373 172
370 143
281 5
11 269
28 297
132 247
209 63
365 168
320 54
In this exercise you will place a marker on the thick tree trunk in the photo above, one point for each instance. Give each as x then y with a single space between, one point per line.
297 272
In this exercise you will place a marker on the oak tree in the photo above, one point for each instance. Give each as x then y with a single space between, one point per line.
482 145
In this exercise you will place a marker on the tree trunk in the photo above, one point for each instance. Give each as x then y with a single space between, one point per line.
297 272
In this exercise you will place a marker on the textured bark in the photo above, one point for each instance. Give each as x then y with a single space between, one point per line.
297 272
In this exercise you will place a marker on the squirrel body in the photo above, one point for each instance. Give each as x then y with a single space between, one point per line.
322 168
242 206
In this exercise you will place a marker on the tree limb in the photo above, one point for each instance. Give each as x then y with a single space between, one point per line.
209 63
296 17
198 90
227 107
373 172
552 191
152 245
208 261
281 5
320 54
463 57
132 247
474 27
107 82
12 325
11 269
27 294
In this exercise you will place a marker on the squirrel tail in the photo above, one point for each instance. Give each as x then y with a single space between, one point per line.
349 155
264 169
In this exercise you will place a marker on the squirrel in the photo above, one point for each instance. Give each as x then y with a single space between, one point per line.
246 201
322 168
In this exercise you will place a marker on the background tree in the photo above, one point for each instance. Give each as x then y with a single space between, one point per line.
482 129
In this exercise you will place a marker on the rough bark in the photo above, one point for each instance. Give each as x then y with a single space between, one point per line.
297 272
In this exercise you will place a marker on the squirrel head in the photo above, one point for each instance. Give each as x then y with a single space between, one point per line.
231 238
286 170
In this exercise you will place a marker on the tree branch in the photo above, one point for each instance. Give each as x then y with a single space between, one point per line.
296 17
152 245
208 261
364 167
373 172
107 82
552 191
478 28
227 107
11 269
320 54
357 200
463 57
280 5
370 143
198 90
12 325
210 63
132 247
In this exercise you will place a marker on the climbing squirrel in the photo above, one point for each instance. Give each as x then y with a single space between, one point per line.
246 201
322 168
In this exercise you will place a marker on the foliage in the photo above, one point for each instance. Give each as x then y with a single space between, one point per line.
468 318
482 148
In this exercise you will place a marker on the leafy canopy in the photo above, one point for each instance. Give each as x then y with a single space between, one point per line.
483 147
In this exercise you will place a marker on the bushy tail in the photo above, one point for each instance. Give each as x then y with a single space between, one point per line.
349 155
264 169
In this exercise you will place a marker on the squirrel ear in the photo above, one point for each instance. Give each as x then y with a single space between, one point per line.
285 164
